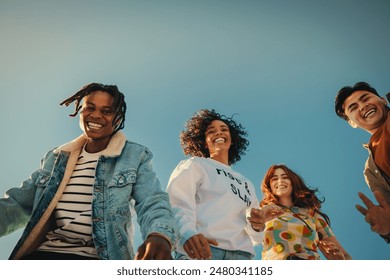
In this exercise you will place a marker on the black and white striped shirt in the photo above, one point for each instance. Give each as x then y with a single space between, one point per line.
73 212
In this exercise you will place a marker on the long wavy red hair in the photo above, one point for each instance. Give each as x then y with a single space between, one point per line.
302 195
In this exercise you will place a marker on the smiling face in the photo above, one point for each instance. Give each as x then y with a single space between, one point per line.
365 110
218 137
96 120
280 184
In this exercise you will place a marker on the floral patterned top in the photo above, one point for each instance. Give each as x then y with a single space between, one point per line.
294 233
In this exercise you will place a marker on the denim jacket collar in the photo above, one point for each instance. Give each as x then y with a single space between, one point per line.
113 149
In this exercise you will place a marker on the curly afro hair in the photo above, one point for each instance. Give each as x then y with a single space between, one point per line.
193 139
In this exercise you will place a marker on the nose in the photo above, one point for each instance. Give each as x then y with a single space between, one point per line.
95 114
363 107
218 132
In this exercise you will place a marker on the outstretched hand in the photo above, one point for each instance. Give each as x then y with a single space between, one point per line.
154 248
198 247
258 217
377 216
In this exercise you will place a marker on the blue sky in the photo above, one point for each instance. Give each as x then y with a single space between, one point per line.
277 65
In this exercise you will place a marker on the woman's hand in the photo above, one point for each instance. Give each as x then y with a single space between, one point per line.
332 249
258 217
198 247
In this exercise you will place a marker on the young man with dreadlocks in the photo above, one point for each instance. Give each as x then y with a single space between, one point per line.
79 204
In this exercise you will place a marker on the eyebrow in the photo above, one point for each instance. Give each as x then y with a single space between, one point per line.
360 98
281 175
211 127
93 104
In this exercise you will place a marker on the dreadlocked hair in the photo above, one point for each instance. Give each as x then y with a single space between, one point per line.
302 195
119 103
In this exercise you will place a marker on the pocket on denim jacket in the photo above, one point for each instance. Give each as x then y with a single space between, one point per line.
123 178
120 189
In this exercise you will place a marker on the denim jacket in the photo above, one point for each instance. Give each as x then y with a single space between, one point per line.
124 181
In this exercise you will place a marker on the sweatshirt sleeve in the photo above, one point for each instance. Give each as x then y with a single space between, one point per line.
182 189
257 237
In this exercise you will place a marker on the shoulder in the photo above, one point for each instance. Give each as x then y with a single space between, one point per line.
130 145
190 162
192 165
135 150
50 155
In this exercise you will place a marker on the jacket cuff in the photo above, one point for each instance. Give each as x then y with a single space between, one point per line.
163 236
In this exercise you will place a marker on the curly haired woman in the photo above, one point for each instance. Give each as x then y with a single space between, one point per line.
211 200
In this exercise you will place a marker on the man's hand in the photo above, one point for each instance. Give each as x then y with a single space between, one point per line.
198 247
154 248
378 216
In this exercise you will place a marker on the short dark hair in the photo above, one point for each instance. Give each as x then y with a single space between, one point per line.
193 140
118 103
345 92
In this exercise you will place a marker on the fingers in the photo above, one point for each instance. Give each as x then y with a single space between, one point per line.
257 214
332 249
276 213
197 247
212 242
256 219
361 209
191 250
154 248
140 253
163 255
365 200
271 212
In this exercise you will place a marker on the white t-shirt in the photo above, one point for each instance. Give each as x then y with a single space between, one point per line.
211 198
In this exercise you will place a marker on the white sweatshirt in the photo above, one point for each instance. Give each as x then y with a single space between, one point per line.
211 198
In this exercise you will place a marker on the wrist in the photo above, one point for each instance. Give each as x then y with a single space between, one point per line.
162 236
258 228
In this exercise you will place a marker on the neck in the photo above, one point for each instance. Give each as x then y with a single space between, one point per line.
286 201
222 157
93 146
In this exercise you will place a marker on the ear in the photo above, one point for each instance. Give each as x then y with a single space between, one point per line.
384 101
351 123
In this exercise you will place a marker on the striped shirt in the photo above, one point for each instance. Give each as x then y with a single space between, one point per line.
73 212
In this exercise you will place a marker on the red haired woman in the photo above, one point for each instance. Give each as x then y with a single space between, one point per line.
300 228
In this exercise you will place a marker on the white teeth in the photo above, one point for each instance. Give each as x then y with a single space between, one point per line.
94 125
369 113
219 140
